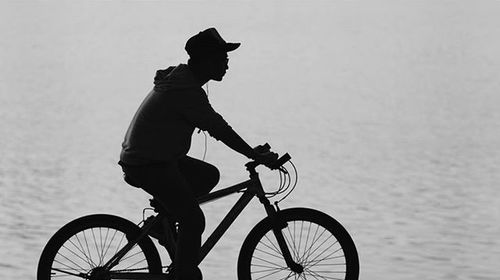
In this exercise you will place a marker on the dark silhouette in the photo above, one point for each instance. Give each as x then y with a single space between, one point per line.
294 242
287 243
154 151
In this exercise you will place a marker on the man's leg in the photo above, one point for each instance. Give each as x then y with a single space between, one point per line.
169 186
201 176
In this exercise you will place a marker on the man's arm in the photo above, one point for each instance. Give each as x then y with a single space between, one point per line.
195 107
235 142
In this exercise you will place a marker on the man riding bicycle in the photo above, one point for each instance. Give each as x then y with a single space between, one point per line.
154 152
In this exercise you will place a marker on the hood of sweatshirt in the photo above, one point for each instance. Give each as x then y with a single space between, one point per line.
175 77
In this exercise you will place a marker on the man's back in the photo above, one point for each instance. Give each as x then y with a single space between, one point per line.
162 127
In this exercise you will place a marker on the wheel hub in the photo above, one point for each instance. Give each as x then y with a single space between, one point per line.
99 273
297 268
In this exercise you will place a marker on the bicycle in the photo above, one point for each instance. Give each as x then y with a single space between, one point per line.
289 243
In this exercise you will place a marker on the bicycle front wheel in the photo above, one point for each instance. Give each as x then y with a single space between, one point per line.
317 242
80 249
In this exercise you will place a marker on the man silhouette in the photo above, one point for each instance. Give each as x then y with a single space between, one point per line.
154 152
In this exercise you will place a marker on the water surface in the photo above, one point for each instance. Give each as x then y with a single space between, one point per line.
389 110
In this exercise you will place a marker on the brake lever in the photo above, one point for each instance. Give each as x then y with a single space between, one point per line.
282 169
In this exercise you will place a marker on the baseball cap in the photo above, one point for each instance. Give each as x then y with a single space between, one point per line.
208 42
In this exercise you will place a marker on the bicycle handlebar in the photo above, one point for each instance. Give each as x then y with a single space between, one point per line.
279 162
275 165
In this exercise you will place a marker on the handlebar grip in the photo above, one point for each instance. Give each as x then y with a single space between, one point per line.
282 160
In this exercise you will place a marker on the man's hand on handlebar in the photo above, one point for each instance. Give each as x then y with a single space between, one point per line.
267 158
263 155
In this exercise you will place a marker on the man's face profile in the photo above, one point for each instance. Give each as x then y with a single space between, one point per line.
218 66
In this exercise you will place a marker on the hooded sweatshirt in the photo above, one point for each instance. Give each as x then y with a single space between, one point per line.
162 127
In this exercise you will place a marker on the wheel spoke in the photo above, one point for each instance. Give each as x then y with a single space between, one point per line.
300 239
68 273
86 254
275 248
288 276
316 275
96 247
292 243
86 259
269 269
67 267
75 254
129 269
140 261
316 260
267 253
307 239
309 253
71 261
88 249
119 245
131 255
110 242
102 245
272 273
304 257
266 261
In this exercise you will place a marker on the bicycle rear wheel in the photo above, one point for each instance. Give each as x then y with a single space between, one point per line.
80 249
316 241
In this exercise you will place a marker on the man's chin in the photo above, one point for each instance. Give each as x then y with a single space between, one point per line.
218 79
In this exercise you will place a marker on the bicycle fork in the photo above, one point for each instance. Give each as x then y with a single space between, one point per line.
278 225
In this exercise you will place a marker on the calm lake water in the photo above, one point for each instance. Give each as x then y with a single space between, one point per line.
389 110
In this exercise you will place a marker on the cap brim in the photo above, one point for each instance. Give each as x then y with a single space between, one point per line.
232 46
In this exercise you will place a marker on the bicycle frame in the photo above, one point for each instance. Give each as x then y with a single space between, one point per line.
250 188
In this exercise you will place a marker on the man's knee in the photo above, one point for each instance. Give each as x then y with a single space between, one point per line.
193 220
214 176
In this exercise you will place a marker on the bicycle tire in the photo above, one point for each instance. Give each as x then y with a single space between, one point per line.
316 241
70 251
